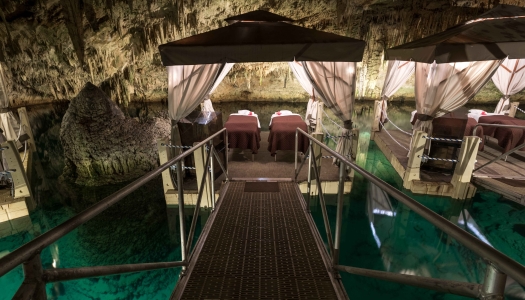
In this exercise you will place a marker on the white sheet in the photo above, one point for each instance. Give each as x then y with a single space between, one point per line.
282 113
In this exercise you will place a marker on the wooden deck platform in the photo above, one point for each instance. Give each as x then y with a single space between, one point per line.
504 177
260 245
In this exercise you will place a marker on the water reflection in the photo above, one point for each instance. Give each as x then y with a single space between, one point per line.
378 232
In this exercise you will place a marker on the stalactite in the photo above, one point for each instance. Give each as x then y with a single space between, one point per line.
73 11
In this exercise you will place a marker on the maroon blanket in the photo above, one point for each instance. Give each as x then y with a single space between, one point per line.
282 134
508 138
243 133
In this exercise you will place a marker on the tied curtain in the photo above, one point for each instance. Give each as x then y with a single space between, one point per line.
335 83
206 104
397 74
188 85
442 88
311 108
509 79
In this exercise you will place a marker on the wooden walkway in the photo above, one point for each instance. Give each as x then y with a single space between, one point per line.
260 244
504 177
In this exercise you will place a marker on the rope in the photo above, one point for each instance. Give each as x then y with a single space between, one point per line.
390 121
332 120
19 131
435 158
442 139
328 134
382 125
175 146
523 111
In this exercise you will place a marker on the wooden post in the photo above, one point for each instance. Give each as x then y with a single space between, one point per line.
170 195
464 167
319 119
513 109
414 159
24 122
33 161
199 156
355 142
377 115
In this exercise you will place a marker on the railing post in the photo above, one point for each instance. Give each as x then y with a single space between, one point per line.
316 150
339 213
181 215
463 171
212 177
414 159
33 272
199 157
226 152
493 287
309 182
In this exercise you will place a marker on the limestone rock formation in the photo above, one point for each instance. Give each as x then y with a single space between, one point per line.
51 48
102 146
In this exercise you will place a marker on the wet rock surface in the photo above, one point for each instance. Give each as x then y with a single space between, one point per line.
103 146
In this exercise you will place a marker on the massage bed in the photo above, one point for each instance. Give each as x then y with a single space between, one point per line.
282 133
469 128
508 138
244 131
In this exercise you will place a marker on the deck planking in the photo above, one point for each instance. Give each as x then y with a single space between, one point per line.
504 177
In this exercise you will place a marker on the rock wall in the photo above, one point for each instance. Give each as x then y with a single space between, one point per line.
102 146
51 48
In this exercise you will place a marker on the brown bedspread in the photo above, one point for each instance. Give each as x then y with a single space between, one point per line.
243 133
498 119
282 134
508 138
479 132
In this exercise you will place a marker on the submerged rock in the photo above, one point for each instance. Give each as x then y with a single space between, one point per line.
102 146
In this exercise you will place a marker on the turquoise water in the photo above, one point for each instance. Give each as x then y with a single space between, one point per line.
378 232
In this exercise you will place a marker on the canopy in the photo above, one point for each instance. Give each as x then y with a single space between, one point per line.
492 36
261 36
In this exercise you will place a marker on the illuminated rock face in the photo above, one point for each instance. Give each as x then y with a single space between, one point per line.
50 49
102 146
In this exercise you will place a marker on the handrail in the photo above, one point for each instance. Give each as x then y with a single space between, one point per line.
495 257
503 154
26 251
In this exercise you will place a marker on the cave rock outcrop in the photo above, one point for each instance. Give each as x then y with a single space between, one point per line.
102 146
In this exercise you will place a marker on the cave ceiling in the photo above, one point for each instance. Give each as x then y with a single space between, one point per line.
50 48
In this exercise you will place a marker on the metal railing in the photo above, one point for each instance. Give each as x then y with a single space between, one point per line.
498 264
503 154
35 277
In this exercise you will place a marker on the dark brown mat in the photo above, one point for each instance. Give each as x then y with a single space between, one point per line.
512 182
261 187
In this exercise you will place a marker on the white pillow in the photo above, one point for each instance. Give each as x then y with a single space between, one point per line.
285 111
243 112
476 111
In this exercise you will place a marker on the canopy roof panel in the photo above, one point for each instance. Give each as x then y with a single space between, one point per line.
261 41
494 35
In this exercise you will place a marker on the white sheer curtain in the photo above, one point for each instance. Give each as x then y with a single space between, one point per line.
187 86
442 88
397 74
335 83
206 104
509 79
311 108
